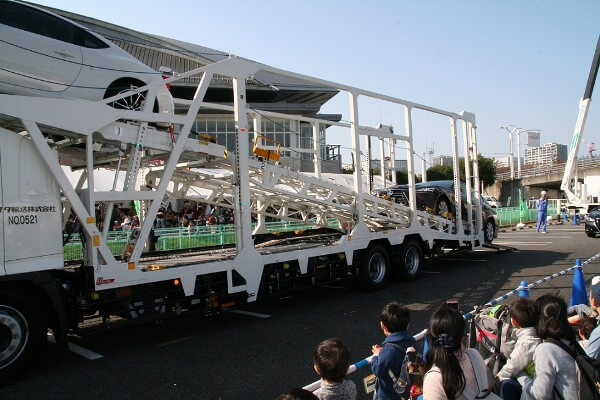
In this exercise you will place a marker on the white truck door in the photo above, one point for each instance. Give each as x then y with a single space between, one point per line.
31 212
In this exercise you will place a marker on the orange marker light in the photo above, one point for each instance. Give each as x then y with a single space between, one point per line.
176 282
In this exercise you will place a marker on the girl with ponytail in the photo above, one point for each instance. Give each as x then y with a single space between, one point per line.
449 367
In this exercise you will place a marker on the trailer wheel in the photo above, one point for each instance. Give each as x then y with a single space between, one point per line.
411 260
489 231
21 334
374 269
134 102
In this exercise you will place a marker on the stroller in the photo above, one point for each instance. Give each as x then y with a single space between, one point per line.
490 332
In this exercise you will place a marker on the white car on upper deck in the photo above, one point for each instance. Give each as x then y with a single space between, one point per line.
44 54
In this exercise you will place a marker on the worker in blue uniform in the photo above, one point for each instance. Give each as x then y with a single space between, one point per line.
542 212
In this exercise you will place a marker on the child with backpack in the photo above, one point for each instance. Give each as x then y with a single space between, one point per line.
555 370
331 361
387 363
523 318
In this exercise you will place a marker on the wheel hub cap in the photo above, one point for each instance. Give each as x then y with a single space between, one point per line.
13 335
377 268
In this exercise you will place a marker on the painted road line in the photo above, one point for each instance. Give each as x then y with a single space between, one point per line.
73 348
251 314
552 237
526 243
174 341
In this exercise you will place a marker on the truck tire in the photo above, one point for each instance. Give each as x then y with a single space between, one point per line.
374 269
411 261
22 333
489 231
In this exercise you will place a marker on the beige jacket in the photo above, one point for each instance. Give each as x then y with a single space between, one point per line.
522 354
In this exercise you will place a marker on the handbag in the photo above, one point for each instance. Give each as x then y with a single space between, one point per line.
481 378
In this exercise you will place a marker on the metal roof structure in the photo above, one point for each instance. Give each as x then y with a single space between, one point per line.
266 91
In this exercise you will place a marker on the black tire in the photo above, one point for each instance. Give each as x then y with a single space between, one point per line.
134 102
489 231
22 332
374 270
590 234
442 205
410 262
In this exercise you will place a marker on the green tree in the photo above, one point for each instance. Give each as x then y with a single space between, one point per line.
487 170
440 173
402 177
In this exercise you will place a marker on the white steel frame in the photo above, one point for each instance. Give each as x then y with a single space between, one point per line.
266 189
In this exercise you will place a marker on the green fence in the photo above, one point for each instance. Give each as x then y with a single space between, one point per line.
215 235
511 215
182 238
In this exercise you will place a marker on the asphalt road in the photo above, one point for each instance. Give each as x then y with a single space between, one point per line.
258 356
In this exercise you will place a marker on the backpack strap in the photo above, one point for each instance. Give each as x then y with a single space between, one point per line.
563 346
393 377
480 377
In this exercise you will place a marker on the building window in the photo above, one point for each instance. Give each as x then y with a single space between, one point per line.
290 134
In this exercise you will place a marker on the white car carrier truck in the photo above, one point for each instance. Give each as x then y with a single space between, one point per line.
356 237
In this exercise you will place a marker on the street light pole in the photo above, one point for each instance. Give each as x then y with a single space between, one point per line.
510 149
519 154
518 131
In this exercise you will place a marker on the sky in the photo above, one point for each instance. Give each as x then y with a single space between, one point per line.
523 63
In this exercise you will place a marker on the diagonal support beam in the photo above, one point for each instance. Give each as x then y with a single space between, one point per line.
76 204
174 156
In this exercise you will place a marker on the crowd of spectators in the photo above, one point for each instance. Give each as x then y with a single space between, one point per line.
124 219
540 361
191 215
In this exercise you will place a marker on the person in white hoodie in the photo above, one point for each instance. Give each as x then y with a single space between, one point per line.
523 318
555 371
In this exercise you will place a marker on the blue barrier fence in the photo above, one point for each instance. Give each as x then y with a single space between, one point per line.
421 335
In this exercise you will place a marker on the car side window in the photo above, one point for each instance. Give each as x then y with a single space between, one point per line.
35 21
85 39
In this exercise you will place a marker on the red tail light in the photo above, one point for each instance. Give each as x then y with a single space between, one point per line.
168 84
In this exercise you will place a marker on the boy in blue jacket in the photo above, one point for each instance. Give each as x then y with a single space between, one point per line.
390 355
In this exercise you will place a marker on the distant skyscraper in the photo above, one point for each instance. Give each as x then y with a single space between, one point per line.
442 160
546 154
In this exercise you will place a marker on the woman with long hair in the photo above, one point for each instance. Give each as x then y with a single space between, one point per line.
555 371
450 368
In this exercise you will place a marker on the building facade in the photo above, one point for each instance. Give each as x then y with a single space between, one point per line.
446 161
549 153
401 165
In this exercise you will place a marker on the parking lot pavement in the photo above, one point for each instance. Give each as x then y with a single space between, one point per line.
266 348
529 237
